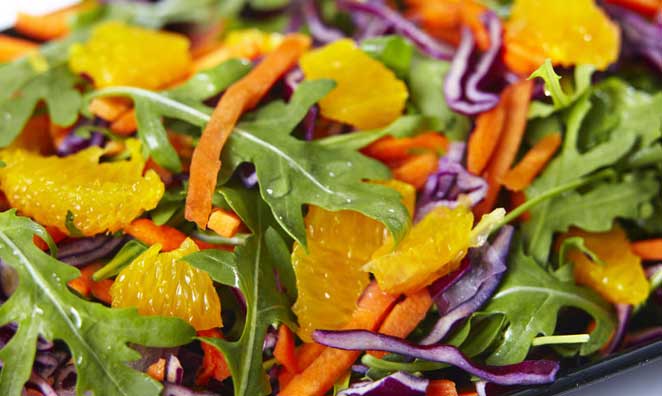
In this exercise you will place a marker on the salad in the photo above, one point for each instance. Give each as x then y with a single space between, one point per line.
307 198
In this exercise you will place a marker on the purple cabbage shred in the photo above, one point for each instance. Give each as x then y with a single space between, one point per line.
396 384
321 33
641 37
79 252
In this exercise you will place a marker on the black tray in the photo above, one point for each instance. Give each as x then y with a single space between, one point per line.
597 371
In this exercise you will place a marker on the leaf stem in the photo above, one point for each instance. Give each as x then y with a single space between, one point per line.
412 367
561 339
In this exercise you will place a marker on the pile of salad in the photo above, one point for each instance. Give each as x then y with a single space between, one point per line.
307 198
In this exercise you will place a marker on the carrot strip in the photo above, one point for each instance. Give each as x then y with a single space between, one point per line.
534 161
47 27
55 234
85 285
517 96
125 124
519 58
108 108
389 148
332 363
12 48
417 169
441 388
224 223
650 249
241 96
157 370
35 135
149 233
405 316
648 8
307 353
484 138
213 362
516 199
284 351
164 174
470 14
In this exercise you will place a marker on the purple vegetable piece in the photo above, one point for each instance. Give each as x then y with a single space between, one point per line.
445 282
86 250
471 85
623 312
641 37
292 80
400 24
247 174
488 264
179 390
46 363
528 372
643 337
396 384
320 32
65 378
309 123
174 372
42 385
451 180
360 369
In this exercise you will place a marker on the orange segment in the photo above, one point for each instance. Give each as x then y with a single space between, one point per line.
118 54
101 196
329 276
162 284
367 94
569 32
620 279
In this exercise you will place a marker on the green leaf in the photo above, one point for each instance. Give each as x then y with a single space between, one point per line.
161 13
405 126
561 100
71 226
426 82
394 51
250 268
531 298
97 336
124 257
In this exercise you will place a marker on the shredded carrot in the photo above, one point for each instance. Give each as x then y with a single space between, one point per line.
126 124
55 234
212 58
224 223
307 353
332 363
165 175
533 162
389 148
85 285
650 249
50 26
57 133
32 392
520 58
109 108
469 393
213 362
441 388
157 370
517 97
149 233
284 351
241 96
484 138
417 169
12 48
516 199
405 316
648 8
35 136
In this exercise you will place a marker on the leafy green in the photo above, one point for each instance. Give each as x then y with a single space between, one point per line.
405 126
560 99
250 268
531 298
394 51
71 225
426 81
124 257
161 13
97 336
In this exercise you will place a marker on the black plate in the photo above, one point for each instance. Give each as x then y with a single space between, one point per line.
599 370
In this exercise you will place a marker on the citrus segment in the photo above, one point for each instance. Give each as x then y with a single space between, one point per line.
329 276
367 94
118 54
569 32
101 196
619 278
162 284
431 249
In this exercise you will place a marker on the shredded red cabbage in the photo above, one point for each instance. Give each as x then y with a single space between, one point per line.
472 85
396 384
179 390
79 252
401 25
641 37
623 312
445 282
488 264
174 372
643 337
528 372
320 32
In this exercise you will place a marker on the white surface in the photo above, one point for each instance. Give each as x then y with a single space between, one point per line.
645 380
9 8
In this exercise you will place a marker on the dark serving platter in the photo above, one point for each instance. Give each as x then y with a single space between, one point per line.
596 371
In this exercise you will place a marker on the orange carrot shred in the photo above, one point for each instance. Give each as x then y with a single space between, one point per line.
389 148
109 108
214 364
645 7
149 233
85 285
533 162
224 223
332 363
241 96
405 316
12 48
484 138
125 124
284 351
417 169
516 199
520 58
517 97
650 249
157 370
441 388
47 27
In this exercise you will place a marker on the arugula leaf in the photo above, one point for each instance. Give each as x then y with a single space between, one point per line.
560 99
531 298
97 336
250 268
161 13
289 170
426 82
570 165
394 51
404 126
